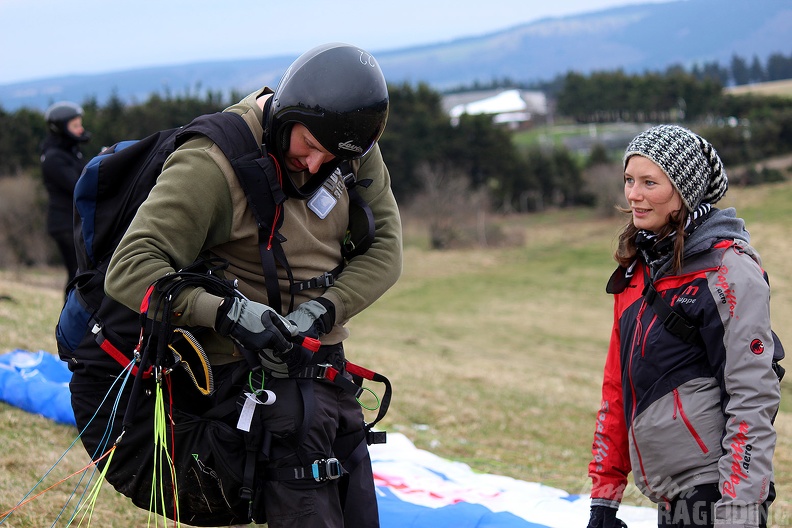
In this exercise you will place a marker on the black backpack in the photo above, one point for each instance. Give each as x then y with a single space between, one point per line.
98 338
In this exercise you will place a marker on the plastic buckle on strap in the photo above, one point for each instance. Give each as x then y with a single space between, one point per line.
678 326
321 370
245 493
326 279
326 469
376 437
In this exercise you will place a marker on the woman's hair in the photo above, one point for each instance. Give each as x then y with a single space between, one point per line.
627 250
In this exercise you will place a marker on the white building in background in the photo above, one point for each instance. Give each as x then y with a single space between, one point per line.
514 108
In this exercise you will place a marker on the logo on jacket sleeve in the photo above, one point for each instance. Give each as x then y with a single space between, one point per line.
757 347
741 461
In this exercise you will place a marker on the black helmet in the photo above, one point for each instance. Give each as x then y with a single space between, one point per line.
58 116
337 91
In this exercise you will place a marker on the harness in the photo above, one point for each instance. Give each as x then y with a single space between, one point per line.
161 351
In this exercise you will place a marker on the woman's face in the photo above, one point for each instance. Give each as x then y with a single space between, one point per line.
650 194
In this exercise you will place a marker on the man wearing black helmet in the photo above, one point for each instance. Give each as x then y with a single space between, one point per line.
61 165
330 107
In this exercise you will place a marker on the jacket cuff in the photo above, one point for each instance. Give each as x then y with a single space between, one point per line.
605 502
338 306
204 308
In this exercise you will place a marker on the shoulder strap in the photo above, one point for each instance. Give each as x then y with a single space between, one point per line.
226 129
675 321
259 179
357 243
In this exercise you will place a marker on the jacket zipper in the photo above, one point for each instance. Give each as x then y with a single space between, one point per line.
638 339
696 437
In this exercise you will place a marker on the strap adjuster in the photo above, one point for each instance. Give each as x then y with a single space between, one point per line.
326 469
327 279
679 326
321 371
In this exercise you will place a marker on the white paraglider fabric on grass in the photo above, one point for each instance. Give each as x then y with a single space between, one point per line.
415 488
418 489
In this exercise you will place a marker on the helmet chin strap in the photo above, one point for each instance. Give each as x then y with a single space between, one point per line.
314 182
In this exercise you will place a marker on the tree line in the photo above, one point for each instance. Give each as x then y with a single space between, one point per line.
418 138
420 142
738 71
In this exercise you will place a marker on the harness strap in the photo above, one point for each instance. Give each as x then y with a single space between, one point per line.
351 247
268 263
674 321
114 352
320 470
326 371
325 280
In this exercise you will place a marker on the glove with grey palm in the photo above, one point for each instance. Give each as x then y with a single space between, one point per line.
313 318
259 329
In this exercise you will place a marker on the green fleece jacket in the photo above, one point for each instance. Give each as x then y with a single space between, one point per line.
198 208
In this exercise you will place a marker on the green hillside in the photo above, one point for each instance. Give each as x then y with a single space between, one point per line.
495 356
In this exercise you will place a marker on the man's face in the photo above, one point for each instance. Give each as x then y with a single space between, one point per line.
305 152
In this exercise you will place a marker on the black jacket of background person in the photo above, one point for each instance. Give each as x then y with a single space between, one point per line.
61 165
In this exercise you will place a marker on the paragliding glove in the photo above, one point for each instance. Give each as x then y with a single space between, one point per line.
313 318
258 328
604 517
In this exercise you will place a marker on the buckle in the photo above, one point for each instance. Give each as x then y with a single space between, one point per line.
321 370
376 437
678 325
326 469
326 279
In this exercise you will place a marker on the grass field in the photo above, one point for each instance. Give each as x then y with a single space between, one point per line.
781 88
495 356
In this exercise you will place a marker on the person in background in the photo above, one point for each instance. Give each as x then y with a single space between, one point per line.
687 407
61 165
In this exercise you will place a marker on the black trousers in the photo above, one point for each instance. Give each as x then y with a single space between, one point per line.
65 242
333 429
695 509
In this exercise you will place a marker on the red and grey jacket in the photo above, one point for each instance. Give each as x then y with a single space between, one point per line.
677 413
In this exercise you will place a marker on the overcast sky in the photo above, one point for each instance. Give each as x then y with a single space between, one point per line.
48 38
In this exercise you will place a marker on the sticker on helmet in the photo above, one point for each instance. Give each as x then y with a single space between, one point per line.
348 145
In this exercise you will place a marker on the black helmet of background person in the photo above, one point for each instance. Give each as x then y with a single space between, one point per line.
337 91
58 116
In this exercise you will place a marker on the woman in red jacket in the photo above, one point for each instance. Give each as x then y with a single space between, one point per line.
689 392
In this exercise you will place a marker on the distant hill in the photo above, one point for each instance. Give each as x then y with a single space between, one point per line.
633 38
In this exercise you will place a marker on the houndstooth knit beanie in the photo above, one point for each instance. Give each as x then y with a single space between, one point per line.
689 161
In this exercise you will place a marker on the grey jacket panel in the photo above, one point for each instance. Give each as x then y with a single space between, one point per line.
751 387
690 416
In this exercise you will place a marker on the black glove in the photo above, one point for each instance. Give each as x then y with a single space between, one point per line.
604 517
314 318
258 328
